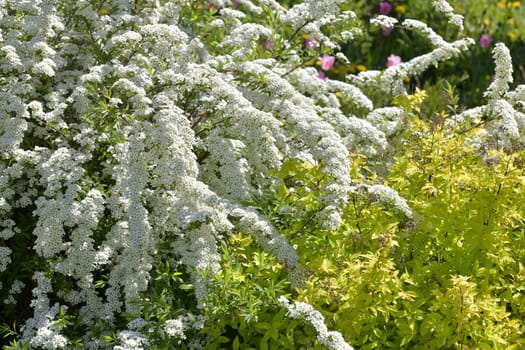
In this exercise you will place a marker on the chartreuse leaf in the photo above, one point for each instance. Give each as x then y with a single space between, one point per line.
263 345
236 343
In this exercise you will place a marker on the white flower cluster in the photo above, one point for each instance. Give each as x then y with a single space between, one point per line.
245 35
503 76
300 117
390 120
16 288
358 97
390 81
12 133
425 30
310 10
4 258
517 97
333 340
131 340
453 18
357 132
503 114
42 331
308 18
389 198
383 21
225 170
175 328
131 178
266 236
137 324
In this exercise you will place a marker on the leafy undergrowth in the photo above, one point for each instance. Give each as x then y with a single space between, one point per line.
452 276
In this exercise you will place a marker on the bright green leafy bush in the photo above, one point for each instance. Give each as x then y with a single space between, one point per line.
453 277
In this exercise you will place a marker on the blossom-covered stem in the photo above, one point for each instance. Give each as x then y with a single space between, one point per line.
333 340
503 76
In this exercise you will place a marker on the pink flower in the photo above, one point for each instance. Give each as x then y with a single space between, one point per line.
311 44
210 6
321 76
388 31
268 45
385 7
485 41
327 62
393 60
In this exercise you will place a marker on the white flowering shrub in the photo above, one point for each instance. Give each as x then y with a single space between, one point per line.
138 137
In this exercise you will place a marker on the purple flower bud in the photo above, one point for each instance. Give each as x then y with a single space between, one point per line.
268 45
387 31
311 44
385 7
485 41
327 62
321 76
393 60
236 4
210 6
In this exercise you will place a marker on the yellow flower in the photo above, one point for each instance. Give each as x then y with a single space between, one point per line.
515 4
511 21
400 9
361 68
486 21
103 12
339 94
511 36
502 4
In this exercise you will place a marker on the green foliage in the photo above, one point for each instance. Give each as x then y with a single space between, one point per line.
242 307
468 246
452 278
356 282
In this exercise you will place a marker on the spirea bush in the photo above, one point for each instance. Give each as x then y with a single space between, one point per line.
191 175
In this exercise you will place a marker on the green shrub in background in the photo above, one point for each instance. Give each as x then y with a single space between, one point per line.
501 21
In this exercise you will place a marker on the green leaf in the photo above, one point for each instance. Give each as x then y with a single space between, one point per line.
263 345
223 339
261 326
236 344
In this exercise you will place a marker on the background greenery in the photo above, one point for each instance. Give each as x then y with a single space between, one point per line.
503 21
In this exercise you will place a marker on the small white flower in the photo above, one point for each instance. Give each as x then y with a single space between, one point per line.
45 67
130 340
383 21
175 328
